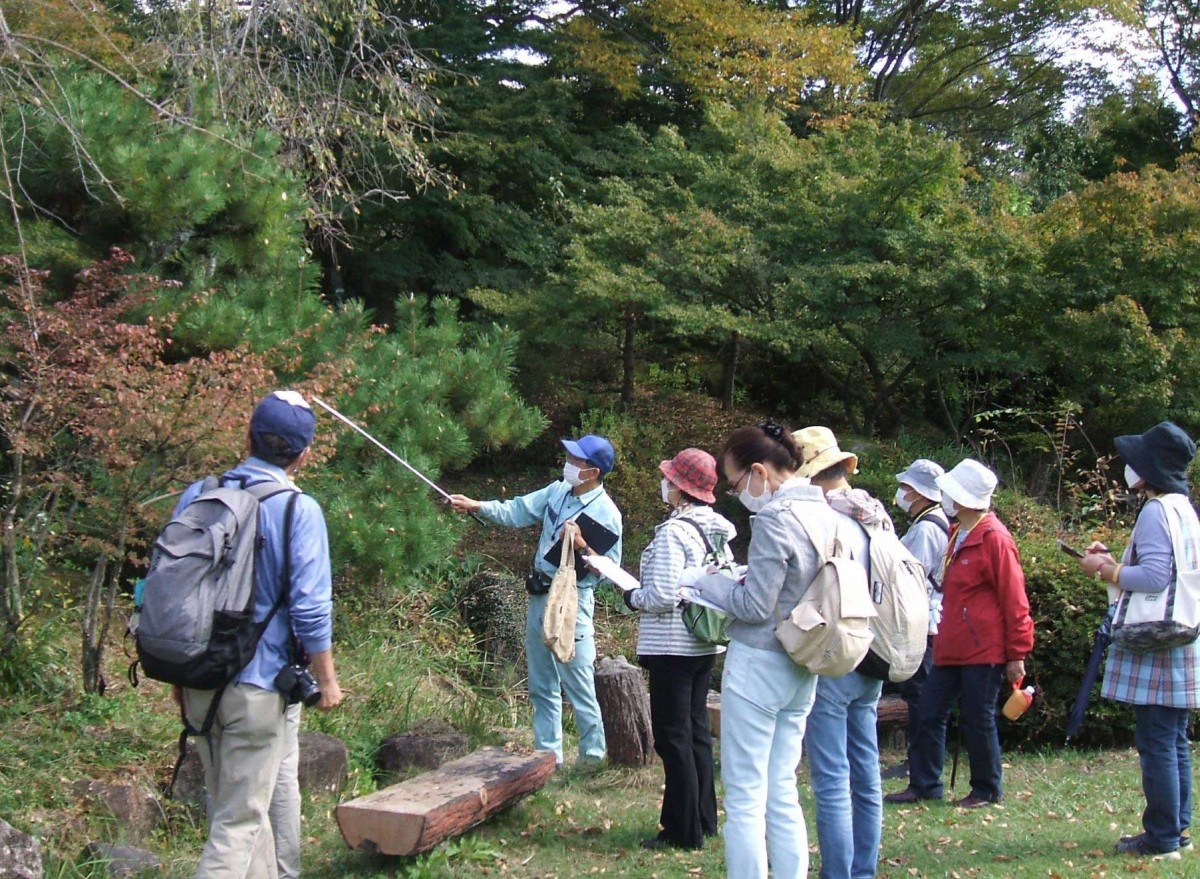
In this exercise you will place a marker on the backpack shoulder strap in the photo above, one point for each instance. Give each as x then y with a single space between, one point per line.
708 548
936 516
819 545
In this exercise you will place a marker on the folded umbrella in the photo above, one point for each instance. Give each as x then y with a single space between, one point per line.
1100 641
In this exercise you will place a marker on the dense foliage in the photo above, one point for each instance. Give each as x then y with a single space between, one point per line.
922 222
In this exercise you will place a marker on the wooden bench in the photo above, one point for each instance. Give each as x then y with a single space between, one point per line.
415 815
891 725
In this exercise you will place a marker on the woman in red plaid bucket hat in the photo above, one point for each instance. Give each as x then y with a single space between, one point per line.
680 665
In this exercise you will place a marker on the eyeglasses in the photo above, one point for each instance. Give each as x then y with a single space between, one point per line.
733 488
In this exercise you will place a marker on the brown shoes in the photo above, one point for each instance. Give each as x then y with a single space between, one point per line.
907 797
970 801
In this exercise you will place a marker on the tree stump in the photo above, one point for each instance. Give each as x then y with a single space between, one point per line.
415 815
625 708
891 725
714 712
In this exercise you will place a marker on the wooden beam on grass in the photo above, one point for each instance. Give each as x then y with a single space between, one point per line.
415 815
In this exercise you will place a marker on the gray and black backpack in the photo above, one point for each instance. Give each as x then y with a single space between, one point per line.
197 625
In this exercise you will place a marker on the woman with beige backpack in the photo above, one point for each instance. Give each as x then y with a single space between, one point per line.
765 696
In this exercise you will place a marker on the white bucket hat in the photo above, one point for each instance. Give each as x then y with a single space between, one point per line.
922 475
969 484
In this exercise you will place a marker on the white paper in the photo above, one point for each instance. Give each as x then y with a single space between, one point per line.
690 595
612 572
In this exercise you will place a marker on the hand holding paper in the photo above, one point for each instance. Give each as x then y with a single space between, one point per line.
612 572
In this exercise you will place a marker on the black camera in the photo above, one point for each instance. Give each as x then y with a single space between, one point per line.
297 684
537 583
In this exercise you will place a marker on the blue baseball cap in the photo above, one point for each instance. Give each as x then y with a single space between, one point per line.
287 415
595 449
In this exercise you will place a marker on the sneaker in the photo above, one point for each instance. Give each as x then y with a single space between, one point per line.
1142 846
1185 844
906 797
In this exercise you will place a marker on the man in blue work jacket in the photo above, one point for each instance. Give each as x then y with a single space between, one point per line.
250 732
580 491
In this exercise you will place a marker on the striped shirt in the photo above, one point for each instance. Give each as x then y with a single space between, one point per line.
1169 678
675 546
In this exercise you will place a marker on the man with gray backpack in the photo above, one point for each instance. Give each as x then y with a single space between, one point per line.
237 614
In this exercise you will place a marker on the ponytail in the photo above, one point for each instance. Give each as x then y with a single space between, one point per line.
768 442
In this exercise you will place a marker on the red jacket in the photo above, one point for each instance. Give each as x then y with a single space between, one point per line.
985 612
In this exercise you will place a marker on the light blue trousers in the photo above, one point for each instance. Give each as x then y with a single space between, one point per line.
548 678
765 700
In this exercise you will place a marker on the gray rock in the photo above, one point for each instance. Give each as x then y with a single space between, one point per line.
20 854
323 762
136 810
426 746
189 786
121 860
323 766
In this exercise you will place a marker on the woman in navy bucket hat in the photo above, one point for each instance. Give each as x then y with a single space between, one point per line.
679 664
1161 685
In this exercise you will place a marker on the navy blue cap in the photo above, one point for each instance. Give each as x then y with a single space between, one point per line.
595 449
287 415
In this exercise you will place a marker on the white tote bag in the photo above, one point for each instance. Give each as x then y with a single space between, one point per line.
1149 621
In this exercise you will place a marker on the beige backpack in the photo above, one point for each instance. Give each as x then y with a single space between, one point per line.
829 631
562 605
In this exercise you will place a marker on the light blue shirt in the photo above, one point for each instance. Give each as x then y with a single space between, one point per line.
926 539
553 506
309 608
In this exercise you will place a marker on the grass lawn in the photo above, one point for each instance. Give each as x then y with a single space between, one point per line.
1062 813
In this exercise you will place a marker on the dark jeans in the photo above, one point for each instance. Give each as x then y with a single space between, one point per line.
975 688
1162 743
910 691
679 720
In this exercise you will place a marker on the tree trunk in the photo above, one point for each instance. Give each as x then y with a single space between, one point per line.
10 568
625 708
627 361
97 614
729 370
89 649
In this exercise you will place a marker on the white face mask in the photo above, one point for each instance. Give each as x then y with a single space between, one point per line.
751 502
666 490
571 474
950 507
1131 477
901 501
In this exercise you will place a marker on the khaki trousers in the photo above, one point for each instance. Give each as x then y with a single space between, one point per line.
285 803
240 770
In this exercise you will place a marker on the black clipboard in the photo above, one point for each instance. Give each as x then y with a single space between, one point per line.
599 538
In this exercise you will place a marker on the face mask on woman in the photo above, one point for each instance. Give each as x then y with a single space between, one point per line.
751 502
571 474
901 500
666 490
1131 477
950 507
